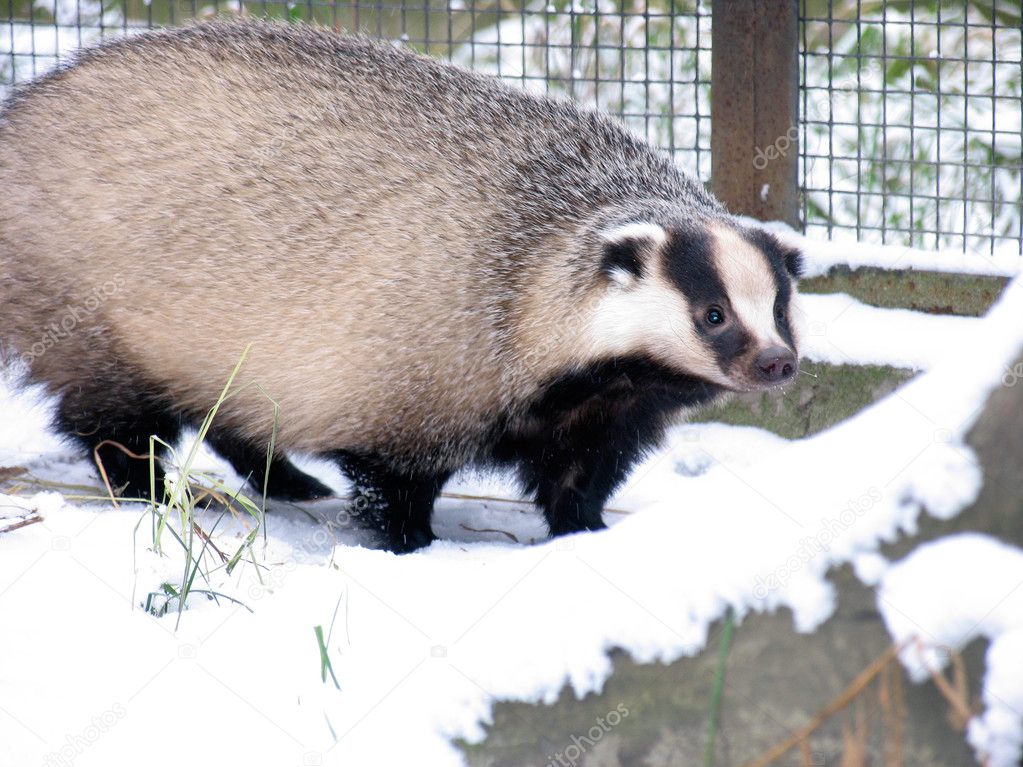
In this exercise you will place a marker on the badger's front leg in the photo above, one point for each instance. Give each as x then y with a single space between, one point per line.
574 470
402 501
573 495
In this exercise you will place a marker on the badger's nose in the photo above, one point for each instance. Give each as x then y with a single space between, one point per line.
775 364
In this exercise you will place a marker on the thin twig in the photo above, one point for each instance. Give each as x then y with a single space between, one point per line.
960 705
488 530
30 520
515 501
103 471
7 472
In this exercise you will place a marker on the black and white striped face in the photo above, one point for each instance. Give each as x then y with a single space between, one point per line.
714 303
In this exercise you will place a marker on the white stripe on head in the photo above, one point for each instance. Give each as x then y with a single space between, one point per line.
639 230
798 319
749 282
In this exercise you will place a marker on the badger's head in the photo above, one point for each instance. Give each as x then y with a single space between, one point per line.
714 301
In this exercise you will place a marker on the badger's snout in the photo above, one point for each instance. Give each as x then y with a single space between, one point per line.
774 365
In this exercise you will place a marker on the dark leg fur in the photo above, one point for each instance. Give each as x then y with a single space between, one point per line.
588 429
95 417
285 481
121 415
403 502
573 472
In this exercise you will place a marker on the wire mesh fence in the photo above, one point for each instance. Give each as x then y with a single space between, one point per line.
911 112
911 122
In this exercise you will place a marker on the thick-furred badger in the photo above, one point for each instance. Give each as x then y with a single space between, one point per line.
433 270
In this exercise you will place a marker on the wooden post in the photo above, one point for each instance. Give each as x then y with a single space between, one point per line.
754 108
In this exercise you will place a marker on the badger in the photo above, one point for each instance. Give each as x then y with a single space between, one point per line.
431 270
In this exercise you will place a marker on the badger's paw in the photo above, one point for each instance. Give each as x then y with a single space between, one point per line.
409 540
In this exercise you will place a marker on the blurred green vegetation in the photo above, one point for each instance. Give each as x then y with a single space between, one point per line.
822 396
968 295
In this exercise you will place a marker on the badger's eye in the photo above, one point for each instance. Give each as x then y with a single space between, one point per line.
715 315
779 312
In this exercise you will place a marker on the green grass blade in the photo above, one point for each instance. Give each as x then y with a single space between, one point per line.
325 665
718 689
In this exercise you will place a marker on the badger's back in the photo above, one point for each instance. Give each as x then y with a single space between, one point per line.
382 229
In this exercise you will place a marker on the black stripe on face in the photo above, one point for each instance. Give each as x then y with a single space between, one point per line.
730 344
786 264
689 265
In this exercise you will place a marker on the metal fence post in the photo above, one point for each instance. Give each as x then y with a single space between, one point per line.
754 107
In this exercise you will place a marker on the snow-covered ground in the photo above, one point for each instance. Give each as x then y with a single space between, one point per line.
422 645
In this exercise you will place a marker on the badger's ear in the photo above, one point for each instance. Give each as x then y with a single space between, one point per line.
793 261
626 250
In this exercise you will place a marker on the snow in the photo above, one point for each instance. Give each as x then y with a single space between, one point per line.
422 645
846 251
841 330
933 606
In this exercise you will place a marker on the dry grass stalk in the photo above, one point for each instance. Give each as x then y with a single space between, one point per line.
887 672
